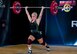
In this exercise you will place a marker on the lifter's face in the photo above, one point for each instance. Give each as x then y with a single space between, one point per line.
34 16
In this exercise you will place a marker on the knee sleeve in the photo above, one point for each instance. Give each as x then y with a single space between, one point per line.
43 43
29 42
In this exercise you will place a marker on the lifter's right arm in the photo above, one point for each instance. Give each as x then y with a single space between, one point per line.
28 15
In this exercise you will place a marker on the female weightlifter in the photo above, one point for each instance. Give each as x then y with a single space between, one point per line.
35 33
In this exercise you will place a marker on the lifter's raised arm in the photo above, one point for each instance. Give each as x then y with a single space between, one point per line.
28 15
40 15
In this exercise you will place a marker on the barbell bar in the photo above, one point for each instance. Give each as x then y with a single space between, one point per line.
37 7
29 7
32 7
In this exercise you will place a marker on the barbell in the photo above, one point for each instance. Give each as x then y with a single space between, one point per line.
53 7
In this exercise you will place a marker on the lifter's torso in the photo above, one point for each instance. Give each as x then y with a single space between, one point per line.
34 26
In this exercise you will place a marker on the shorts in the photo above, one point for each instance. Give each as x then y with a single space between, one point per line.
36 34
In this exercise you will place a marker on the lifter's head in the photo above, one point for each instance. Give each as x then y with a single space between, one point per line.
34 16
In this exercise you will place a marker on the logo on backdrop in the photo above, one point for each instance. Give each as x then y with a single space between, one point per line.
67 5
72 3
67 8
74 23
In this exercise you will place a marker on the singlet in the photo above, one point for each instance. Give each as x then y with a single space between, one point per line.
34 27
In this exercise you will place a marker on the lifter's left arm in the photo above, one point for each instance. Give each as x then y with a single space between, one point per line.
40 15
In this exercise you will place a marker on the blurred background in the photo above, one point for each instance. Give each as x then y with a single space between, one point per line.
57 30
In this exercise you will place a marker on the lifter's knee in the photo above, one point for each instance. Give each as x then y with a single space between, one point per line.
31 37
30 40
41 41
